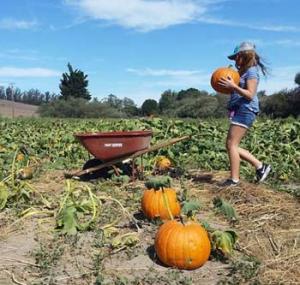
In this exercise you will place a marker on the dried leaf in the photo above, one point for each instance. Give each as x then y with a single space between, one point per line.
129 239
224 241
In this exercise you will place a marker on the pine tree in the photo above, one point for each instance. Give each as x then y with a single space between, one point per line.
74 84
297 78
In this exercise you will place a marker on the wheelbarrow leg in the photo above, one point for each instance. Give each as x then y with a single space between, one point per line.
142 168
133 169
116 170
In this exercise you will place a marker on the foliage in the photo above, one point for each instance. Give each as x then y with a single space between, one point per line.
52 141
157 182
74 84
282 104
225 208
224 241
192 103
32 96
78 108
125 106
297 78
150 107
167 100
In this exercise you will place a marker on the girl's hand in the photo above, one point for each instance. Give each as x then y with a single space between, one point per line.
227 83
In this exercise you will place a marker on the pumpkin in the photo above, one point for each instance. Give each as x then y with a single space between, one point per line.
163 163
223 72
160 203
20 157
184 246
25 173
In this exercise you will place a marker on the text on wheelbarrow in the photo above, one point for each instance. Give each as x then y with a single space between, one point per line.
113 145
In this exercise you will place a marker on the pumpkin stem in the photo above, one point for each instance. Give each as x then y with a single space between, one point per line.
167 204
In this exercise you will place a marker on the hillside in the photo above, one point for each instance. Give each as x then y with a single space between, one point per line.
17 110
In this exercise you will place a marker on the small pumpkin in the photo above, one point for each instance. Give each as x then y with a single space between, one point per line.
25 173
223 72
163 163
184 246
20 157
160 203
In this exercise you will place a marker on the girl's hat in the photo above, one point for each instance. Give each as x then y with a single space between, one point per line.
242 47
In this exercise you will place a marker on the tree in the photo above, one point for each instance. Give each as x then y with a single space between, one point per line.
129 107
74 84
167 100
2 93
113 101
297 78
149 107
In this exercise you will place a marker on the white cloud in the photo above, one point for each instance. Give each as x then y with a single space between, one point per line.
175 78
142 15
263 27
277 28
148 15
163 72
28 72
280 78
13 24
282 42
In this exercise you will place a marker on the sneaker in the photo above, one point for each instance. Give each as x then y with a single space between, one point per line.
263 172
229 183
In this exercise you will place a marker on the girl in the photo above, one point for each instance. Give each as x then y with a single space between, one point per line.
243 107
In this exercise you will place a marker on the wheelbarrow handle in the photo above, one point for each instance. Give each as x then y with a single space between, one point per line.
158 146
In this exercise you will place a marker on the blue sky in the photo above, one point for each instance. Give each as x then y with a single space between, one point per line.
140 48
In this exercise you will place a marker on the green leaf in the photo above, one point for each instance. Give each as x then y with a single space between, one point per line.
120 179
225 208
3 195
157 182
190 208
207 226
68 220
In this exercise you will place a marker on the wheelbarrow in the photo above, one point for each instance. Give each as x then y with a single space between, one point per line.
111 148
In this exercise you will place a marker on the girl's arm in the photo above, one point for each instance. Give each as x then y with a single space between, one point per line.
247 93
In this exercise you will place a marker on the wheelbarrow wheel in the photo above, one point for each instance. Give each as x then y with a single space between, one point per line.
101 173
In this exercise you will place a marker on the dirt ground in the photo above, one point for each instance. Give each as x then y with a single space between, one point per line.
14 109
268 252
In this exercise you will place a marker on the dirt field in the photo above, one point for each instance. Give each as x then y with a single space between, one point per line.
9 109
268 252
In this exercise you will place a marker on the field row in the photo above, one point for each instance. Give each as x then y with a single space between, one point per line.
51 141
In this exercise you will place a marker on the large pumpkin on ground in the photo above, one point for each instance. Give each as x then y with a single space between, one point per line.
223 72
184 246
158 203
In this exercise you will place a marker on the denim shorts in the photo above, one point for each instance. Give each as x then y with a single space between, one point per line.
242 117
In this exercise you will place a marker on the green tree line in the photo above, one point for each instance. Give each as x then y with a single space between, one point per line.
75 100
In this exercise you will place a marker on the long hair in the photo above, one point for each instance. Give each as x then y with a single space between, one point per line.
251 58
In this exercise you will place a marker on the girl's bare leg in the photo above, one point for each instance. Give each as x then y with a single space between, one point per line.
246 155
235 134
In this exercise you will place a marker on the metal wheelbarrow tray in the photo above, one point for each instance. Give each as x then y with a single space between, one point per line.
114 147
107 146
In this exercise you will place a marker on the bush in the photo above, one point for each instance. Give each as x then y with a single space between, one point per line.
78 108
